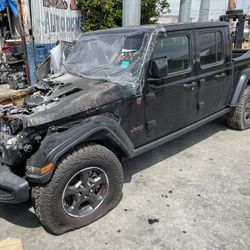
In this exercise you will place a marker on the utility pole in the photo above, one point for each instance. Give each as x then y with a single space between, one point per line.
185 11
204 10
131 13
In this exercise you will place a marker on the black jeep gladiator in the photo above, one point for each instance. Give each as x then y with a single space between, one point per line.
122 92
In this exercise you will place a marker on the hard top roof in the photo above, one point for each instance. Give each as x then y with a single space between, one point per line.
168 27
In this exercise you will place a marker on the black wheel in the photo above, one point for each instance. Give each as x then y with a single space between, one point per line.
239 117
86 185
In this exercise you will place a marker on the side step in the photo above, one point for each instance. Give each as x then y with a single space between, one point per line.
178 133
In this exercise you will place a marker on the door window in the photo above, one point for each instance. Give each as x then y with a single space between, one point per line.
210 48
176 50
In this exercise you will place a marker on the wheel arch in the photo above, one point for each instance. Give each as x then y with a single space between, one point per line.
99 129
243 82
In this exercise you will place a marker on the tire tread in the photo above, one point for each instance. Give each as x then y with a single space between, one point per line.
235 118
42 195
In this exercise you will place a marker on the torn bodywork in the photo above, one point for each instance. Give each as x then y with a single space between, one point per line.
89 99
55 105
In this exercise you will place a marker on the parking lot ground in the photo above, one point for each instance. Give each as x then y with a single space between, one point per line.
191 193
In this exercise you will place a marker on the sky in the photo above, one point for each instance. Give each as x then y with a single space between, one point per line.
217 8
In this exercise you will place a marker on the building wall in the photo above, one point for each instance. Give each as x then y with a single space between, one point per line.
54 20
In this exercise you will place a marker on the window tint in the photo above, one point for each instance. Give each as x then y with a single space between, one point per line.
210 48
176 50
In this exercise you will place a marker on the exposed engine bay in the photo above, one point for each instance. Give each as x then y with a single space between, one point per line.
15 144
55 105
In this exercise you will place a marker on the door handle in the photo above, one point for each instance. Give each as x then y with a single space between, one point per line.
190 85
220 76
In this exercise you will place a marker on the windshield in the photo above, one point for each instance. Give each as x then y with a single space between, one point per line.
116 57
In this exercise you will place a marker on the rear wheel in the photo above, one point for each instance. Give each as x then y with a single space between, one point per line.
239 117
86 185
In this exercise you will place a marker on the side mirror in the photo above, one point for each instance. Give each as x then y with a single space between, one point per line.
159 68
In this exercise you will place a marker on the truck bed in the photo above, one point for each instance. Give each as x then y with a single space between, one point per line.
241 61
239 52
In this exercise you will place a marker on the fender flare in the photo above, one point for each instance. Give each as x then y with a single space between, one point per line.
242 84
55 145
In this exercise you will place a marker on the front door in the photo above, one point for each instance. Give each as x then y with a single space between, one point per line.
171 101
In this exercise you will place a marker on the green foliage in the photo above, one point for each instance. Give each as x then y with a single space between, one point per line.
151 9
101 14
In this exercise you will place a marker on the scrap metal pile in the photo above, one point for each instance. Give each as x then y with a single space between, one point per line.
12 56
12 68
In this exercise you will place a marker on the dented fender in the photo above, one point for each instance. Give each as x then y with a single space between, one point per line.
95 128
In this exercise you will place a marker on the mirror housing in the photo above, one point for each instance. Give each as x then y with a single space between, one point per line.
159 68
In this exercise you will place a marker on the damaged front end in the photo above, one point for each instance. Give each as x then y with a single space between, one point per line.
55 106
13 154
86 98
18 141
15 143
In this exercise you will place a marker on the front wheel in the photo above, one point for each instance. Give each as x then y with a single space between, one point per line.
86 185
239 117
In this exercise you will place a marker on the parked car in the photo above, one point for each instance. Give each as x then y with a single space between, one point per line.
124 91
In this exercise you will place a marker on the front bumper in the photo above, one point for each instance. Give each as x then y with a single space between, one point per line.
13 189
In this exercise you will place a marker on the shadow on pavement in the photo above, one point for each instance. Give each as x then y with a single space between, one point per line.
171 148
19 214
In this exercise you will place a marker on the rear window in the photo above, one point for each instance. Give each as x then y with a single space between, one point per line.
210 48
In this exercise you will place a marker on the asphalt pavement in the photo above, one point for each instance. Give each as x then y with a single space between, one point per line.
191 193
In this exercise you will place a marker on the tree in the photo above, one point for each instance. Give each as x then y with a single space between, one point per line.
151 9
101 14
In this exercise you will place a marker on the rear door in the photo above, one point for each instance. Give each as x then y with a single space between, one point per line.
214 70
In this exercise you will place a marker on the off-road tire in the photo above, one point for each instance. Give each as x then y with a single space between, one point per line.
236 117
47 199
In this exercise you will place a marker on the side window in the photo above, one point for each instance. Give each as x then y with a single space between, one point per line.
176 50
210 48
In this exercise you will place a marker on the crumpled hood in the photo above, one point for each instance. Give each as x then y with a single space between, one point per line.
74 96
